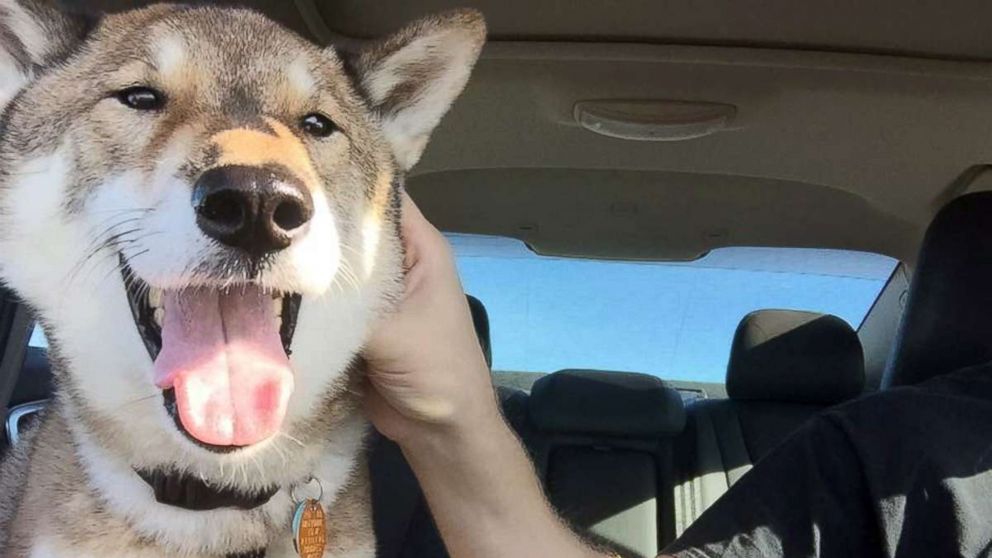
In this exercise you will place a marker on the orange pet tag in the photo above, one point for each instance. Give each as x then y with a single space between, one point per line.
309 529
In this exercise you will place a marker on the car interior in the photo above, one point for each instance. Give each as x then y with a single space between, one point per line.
659 132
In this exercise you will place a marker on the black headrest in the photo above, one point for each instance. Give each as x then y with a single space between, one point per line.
797 357
947 324
594 402
35 380
480 319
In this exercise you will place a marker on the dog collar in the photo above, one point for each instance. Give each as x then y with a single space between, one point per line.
188 492
191 493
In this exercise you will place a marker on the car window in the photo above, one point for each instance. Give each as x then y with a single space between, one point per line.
671 319
37 337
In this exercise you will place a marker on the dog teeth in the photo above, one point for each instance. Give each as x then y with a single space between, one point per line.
159 316
155 297
277 306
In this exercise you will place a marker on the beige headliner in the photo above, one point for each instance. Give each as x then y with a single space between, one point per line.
949 29
831 147
813 131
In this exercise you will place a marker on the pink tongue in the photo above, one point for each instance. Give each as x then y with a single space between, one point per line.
222 354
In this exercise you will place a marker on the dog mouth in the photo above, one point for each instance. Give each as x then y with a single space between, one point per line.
221 357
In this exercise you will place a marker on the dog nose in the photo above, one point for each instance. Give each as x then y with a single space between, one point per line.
257 209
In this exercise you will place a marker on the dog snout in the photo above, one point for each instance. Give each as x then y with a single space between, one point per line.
256 209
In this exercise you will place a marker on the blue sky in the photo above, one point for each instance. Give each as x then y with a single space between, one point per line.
674 320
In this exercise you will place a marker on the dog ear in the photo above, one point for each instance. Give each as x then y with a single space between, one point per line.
34 34
412 77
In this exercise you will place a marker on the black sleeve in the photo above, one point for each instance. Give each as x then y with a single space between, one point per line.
806 498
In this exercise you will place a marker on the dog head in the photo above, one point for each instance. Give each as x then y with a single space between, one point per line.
202 209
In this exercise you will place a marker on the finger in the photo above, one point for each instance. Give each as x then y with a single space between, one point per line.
420 238
373 403
412 221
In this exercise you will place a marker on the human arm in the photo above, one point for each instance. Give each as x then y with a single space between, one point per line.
432 394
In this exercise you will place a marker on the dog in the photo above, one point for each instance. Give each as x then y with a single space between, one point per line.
201 208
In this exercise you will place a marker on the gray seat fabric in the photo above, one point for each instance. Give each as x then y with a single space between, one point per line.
785 366
602 444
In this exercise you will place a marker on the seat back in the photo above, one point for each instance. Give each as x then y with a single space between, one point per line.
602 444
480 320
785 367
946 326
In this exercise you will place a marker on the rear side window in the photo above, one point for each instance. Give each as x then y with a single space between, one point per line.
673 320
37 337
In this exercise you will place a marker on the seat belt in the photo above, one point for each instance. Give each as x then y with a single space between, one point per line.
15 331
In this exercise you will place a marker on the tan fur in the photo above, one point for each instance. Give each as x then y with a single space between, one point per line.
253 147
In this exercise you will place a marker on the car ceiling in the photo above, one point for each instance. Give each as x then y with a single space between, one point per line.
854 121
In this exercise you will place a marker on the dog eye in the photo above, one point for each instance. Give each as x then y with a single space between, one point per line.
318 125
141 98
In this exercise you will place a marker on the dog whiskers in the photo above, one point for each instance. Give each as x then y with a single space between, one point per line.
258 466
100 242
276 446
292 439
244 472
110 237
138 400
123 210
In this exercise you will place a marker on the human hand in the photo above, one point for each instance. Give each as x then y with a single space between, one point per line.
426 369
431 391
